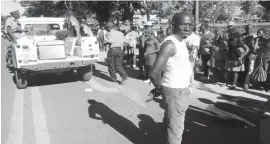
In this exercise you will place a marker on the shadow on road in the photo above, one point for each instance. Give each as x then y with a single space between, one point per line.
201 126
117 122
102 75
204 127
267 96
201 78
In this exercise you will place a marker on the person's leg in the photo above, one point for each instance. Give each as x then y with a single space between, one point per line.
176 104
215 75
266 65
111 64
118 64
134 57
205 59
147 71
141 64
235 78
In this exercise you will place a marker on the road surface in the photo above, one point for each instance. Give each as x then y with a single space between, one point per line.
61 110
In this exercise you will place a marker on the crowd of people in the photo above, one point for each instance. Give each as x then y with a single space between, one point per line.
169 59
232 56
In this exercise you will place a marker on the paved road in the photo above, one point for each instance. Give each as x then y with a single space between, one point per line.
61 110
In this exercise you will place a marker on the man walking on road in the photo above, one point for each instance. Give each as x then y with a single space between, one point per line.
115 54
174 85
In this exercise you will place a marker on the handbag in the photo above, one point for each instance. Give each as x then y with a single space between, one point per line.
259 74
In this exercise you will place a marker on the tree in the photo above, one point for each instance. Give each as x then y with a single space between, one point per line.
266 5
252 9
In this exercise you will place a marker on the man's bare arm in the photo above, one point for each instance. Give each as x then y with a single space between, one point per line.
167 50
10 34
246 51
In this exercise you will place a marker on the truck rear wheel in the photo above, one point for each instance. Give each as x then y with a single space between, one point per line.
85 73
21 80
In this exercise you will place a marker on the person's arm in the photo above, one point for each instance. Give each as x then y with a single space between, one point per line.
155 52
167 50
143 41
10 33
8 30
246 51
157 48
107 39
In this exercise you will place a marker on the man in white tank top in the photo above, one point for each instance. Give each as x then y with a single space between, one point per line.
174 85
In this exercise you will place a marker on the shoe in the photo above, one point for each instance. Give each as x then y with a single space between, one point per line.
134 66
123 81
149 98
147 81
233 87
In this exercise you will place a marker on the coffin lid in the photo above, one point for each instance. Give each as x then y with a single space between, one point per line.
50 43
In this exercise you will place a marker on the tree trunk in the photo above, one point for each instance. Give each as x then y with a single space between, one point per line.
196 15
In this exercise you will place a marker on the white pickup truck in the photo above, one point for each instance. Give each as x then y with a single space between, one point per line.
40 52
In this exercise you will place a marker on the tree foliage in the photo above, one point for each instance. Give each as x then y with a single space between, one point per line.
266 5
104 11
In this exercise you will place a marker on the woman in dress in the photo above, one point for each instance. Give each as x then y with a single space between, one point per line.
237 51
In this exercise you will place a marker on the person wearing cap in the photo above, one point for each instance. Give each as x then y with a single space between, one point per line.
151 45
236 54
148 25
85 30
161 34
115 39
230 25
175 83
12 26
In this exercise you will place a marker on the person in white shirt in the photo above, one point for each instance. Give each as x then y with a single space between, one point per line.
193 44
175 83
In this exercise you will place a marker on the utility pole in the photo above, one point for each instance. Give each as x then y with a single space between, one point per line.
196 5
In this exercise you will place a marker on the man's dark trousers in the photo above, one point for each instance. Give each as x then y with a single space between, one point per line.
115 58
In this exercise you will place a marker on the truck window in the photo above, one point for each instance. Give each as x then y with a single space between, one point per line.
41 29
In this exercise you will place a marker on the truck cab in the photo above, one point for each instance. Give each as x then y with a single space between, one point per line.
39 51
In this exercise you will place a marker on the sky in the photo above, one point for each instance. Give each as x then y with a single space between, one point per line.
8 6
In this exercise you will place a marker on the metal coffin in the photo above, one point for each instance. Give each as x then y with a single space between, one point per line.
89 48
50 50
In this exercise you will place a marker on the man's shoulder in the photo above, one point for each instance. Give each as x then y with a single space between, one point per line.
9 19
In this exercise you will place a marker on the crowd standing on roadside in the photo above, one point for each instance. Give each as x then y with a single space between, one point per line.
225 57
169 59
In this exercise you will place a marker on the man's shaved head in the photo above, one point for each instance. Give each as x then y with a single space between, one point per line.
180 16
182 24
